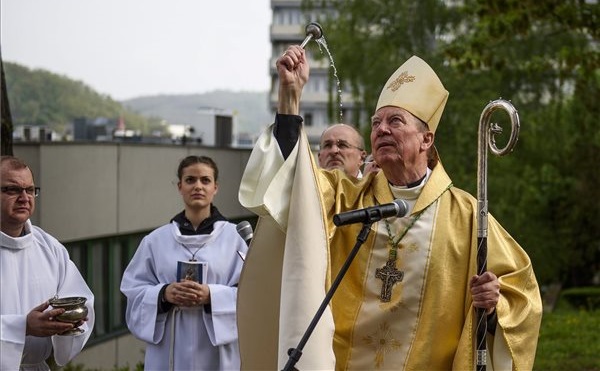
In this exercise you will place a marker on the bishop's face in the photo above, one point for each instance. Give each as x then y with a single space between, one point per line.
197 186
17 207
398 138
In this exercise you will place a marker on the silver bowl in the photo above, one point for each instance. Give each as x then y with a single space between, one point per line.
75 311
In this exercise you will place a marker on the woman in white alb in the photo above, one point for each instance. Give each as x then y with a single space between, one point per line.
187 325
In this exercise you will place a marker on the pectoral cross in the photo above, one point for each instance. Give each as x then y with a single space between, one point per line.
390 275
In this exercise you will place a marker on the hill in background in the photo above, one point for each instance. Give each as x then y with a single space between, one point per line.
40 97
250 108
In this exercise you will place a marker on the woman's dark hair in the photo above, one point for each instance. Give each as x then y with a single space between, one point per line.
191 160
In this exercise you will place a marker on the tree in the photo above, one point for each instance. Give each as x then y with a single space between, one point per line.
548 52
6 118
369 38
39 97
541 55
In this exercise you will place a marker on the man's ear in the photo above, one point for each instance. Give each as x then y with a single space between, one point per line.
428 138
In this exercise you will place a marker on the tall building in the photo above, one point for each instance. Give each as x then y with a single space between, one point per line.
289 27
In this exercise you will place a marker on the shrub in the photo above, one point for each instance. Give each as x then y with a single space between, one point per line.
581 298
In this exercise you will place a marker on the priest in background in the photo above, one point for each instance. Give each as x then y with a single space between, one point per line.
342 147
35 267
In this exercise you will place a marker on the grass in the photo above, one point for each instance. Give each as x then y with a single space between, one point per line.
569 340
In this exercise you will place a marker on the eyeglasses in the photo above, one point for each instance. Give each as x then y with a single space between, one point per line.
340 143
16 191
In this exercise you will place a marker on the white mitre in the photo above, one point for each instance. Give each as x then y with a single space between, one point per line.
416 88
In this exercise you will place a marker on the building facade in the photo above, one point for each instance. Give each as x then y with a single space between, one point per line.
320 105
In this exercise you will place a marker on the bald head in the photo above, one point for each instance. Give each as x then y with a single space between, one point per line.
342 147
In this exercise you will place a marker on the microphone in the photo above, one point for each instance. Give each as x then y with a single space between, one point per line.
244 228
372 214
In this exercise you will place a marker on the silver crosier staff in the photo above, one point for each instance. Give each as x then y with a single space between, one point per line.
487 132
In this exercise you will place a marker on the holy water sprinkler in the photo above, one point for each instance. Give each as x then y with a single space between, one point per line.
313 31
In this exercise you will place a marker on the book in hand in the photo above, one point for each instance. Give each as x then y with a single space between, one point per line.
191 270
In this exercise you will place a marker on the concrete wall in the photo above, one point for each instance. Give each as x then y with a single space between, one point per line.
124 351
99 189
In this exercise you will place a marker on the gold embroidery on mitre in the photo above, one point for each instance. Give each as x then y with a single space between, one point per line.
401 79
382 341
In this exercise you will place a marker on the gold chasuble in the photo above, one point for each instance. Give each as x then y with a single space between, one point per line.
427 323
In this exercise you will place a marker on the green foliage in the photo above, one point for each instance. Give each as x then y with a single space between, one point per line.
546 51
369 39
569 340
580 298
38 97
541 55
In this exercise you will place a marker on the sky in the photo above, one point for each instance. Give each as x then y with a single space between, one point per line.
132 48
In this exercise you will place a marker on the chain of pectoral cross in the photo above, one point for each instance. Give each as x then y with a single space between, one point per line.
389 274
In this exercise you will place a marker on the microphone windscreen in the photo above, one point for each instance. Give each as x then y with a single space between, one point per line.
402 207
244 228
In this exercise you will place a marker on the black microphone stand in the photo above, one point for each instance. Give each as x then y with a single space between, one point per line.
295 353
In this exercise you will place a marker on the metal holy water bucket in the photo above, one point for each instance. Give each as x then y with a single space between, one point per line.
75 311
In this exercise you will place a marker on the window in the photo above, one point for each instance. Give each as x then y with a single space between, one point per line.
102 262
308 119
